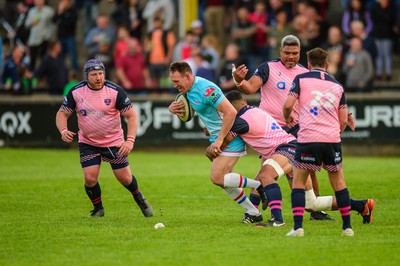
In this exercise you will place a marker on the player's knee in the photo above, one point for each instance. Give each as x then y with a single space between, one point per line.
217 180
90 180
275 165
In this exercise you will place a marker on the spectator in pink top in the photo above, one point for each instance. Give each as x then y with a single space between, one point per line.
323 116
99 105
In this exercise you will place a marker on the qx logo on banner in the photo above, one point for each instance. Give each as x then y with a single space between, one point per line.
12 123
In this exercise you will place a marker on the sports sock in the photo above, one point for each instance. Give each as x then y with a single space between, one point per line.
255 200
238 195
274 197
357 205
343 202
298 204
134 189
94 194
236 180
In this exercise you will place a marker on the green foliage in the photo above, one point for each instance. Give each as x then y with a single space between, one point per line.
44 215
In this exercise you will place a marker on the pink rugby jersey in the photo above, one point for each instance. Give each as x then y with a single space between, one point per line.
277 79
259 130
320 97
98 113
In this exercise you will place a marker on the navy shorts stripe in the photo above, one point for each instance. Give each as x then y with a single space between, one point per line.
313 156
91 155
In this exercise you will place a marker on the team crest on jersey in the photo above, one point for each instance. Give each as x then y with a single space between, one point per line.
275 126
107 101
281 85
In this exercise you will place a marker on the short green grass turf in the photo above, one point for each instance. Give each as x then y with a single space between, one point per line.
44 215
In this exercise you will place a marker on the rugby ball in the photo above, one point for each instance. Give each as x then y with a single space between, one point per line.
189 112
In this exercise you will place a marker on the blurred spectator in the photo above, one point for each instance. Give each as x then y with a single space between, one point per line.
131 68
232 56
335 10
259 18
122 43
358 67
88 13
300 28
248 4
356 11
105 55
159 46
21 32
273 7
397 27
277 32
159 8
1 54
203 68
317 27
129 15
39 21
211 49
335 46
66 19
72 81
198 30
15 71
102 33
357 30
383 17
243 35
215 16
182 49
53 70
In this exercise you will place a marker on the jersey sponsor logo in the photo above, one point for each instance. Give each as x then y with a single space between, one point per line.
127 101
107 101
209 91
281 85
307 157
85 112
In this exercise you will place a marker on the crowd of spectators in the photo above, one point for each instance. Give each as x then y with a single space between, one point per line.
138 39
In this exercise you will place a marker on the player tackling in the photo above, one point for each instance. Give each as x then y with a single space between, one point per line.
217 114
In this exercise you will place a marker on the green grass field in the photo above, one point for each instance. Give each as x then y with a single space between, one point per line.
44 215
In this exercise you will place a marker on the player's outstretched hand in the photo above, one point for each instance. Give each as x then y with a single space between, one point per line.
239 73
176 108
